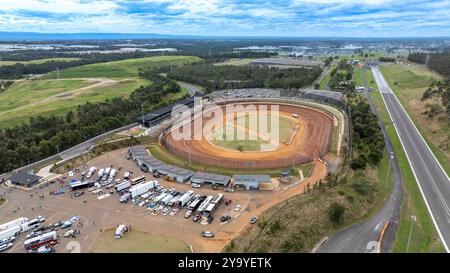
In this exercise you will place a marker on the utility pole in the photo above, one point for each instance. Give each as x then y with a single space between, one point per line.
142 112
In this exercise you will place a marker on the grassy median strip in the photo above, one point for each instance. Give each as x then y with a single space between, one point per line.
424 237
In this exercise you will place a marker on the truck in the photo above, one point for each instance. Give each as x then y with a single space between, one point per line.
123 186
141 188
10 232
185 198
81 184
44 239
107 171
205 204
127 176
13 223
19 227
120 230
112 173
91 172
124 198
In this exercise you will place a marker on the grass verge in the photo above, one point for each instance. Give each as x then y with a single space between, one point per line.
424 238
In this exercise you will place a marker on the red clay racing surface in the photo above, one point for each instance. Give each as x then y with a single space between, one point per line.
311 141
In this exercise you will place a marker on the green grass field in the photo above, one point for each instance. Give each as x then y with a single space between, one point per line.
409 83
245 141
425 238
136 241
26 92
40 61
121 69
33 97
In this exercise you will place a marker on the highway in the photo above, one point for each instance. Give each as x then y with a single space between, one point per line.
433 182
365 237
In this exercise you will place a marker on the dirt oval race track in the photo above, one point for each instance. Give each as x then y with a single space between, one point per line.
311 141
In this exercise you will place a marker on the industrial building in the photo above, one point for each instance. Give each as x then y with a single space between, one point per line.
213 179
175 173
158 116
25 179
250 182
144 159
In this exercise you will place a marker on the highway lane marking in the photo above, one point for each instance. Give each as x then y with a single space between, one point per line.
415 175
433 184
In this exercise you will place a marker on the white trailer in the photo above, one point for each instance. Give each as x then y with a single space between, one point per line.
16 222
107 171
218 199
10 232
122 186
91 172
167 199
142 188
186 197
205 203
101 172
160 197
194 204
112 173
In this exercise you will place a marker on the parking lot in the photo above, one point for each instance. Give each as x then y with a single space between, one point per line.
98 214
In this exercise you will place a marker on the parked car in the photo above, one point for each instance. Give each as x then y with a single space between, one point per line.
238 207
188 214
173 211
253 219
225 218
207 234
195 185
40 218
78 193
196 218
166 210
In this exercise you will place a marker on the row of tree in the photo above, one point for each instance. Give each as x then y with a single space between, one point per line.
439 62
217 77
368 141
18 70
45 136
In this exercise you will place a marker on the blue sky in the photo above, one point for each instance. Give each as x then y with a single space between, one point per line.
348 18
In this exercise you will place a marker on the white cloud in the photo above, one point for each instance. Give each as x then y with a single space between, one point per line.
59 6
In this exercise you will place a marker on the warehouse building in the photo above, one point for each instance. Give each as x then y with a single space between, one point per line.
213 179
158 116
144 159
175 173
25 179
250 182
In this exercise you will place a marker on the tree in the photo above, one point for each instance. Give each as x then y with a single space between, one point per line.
336 213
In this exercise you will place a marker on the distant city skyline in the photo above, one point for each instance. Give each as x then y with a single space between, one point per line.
276 18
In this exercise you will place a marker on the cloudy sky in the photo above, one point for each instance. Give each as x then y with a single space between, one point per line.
358 18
